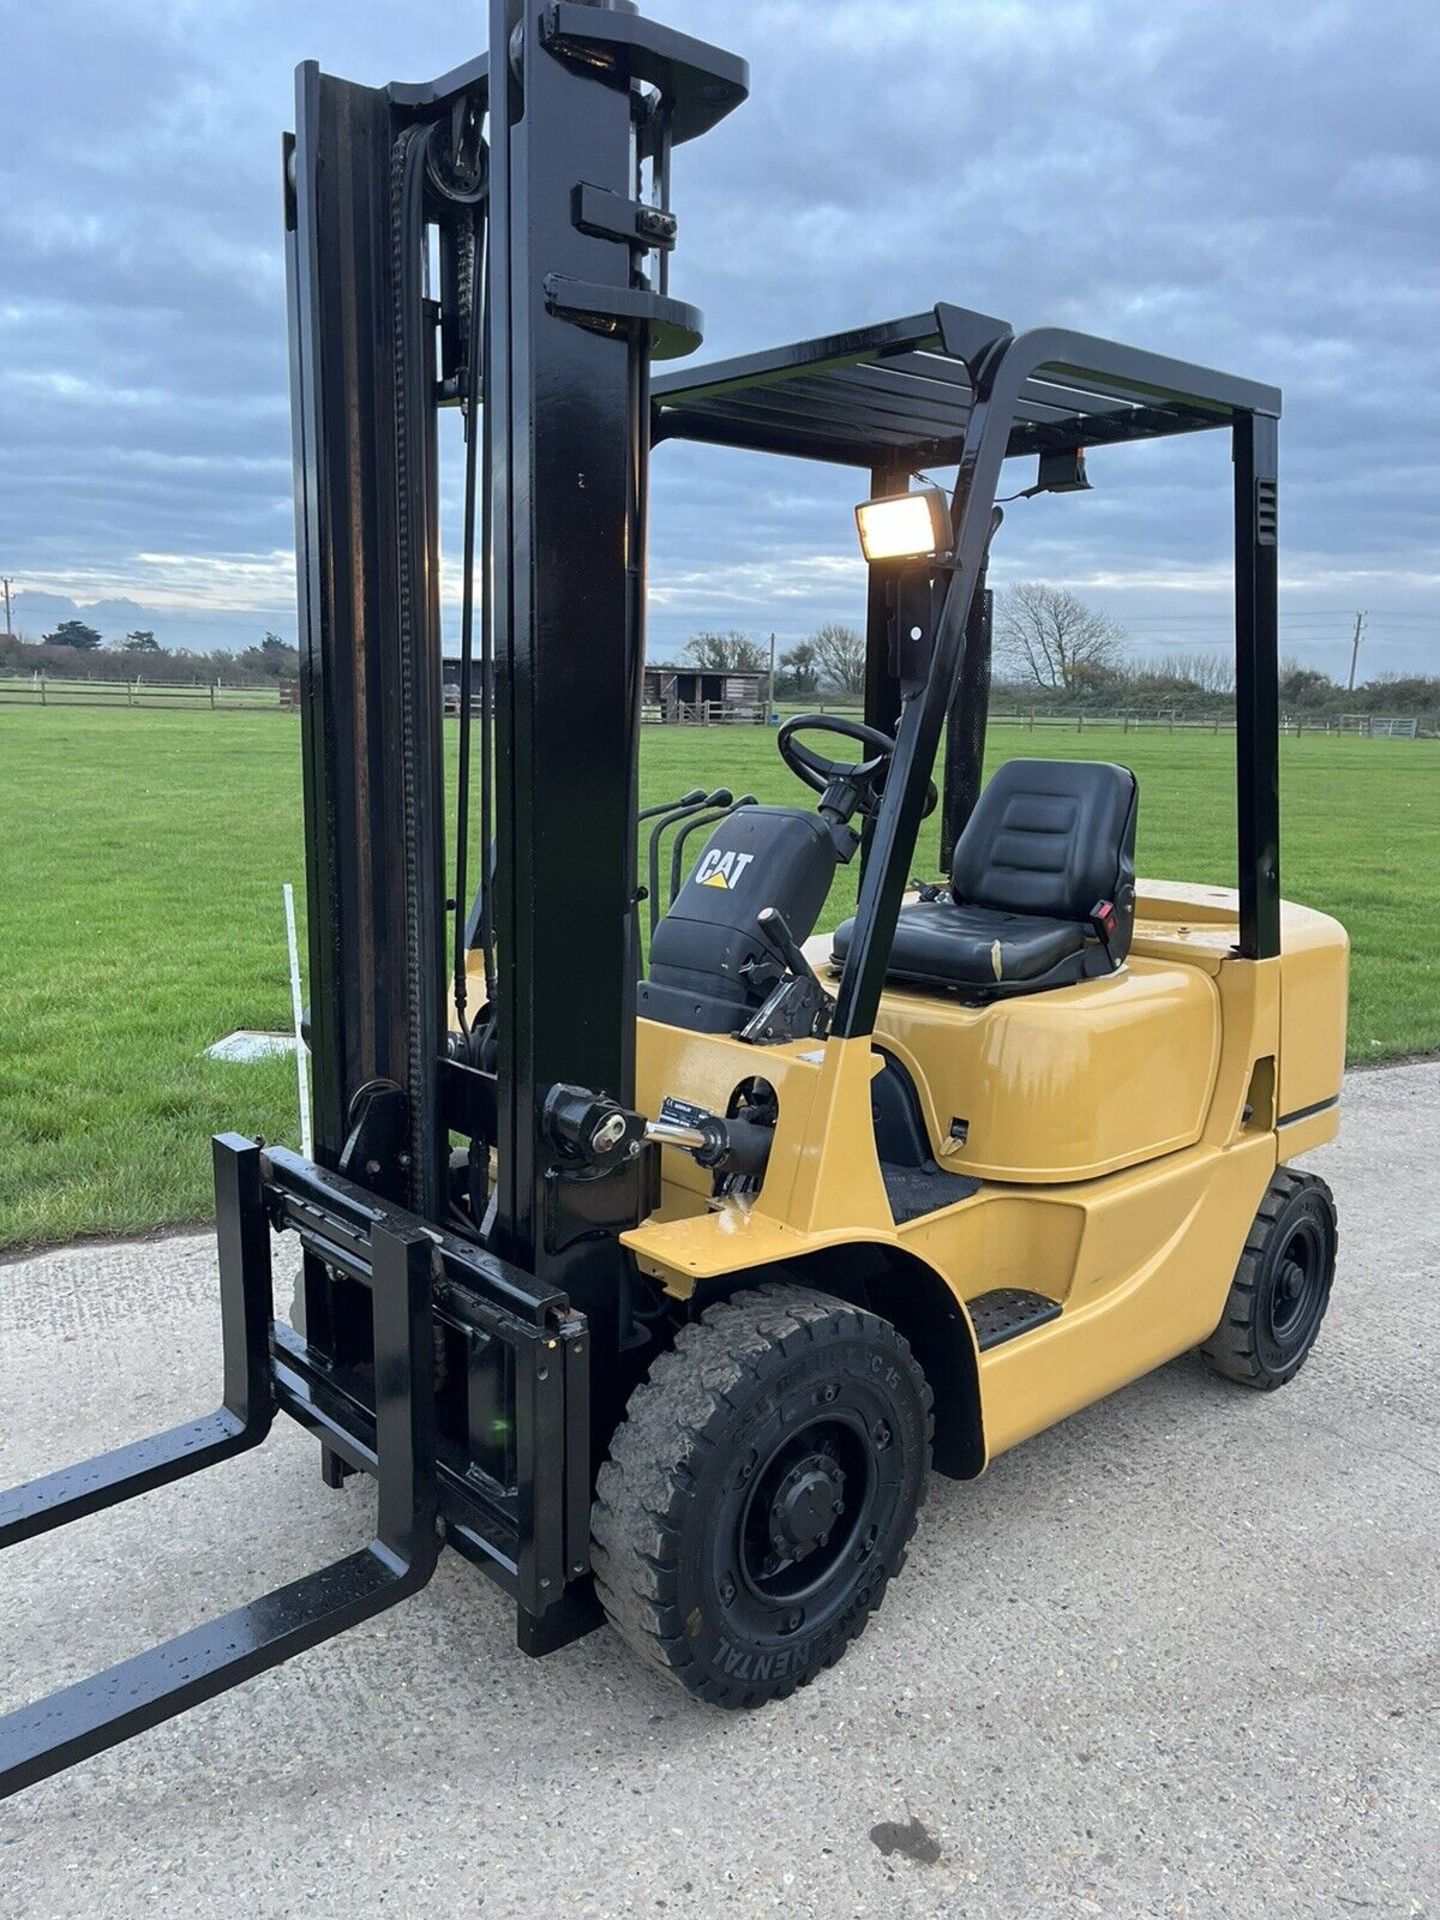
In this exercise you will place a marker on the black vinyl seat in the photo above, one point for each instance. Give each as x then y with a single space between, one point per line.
1042 889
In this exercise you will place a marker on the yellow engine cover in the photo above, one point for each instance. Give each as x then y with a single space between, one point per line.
1065 1085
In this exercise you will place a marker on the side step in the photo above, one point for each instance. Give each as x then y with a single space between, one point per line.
85 1719
1006 1313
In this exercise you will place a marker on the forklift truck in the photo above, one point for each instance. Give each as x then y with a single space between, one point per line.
656 1297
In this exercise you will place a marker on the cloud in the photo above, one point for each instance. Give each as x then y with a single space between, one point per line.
1252 188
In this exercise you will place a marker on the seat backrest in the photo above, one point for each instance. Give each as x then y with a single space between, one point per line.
1054 838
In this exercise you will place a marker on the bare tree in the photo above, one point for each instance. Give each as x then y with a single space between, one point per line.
727 653
840 655
1210 672
1053 638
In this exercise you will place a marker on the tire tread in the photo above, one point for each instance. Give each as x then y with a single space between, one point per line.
644 1487
1231 1350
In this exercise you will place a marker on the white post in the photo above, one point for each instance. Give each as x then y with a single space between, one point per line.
302 1068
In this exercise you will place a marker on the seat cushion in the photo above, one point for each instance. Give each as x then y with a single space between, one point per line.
940 944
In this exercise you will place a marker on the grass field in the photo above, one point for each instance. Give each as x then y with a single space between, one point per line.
141 858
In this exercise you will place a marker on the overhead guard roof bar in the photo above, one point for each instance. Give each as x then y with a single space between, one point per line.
902 390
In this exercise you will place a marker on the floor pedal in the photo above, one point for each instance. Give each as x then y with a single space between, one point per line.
1007 1312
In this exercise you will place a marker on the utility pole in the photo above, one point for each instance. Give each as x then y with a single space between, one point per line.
770 687
1355 647
9 625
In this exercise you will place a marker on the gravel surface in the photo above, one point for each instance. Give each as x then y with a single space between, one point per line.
1176 1657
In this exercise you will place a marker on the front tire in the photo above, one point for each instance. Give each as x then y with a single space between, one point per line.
1281 1286
760 1492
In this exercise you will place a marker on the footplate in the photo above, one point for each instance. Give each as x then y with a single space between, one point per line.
1007 1312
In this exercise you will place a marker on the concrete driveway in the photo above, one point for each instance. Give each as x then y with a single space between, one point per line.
1177 1657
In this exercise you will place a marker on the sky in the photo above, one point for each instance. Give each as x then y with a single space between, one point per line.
1255 188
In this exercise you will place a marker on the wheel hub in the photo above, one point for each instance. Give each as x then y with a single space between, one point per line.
1297 1292
805 1505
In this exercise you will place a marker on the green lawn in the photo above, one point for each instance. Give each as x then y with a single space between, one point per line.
141 856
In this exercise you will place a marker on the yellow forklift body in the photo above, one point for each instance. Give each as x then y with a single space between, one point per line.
1120 1134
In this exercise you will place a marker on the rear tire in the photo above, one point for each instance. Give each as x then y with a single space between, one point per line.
760 1493
1281 1286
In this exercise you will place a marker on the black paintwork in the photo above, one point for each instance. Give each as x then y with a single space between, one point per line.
140 1693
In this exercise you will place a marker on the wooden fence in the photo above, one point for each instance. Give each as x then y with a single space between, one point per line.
1033 719
38 690
273 696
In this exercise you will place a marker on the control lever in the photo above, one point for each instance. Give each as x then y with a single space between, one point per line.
797 1006
668 817
775 927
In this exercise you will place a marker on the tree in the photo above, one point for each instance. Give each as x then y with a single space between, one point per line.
1303 686
1400 693
73 633
840 655
727 653
142 640
1054 639
799 674
274 657
1210 672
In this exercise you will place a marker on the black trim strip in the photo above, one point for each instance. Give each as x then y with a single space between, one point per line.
1304 1113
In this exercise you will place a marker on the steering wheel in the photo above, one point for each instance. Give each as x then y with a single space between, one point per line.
867 777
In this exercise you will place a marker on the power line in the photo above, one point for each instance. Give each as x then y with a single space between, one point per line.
1429 617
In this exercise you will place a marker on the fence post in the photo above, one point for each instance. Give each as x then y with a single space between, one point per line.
129 694
43 701
1080 723
212 696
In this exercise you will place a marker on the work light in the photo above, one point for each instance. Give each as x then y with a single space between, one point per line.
905 526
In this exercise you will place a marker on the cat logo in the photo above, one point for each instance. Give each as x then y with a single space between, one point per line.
720 869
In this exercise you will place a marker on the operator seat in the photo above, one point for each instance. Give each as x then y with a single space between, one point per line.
1042 888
